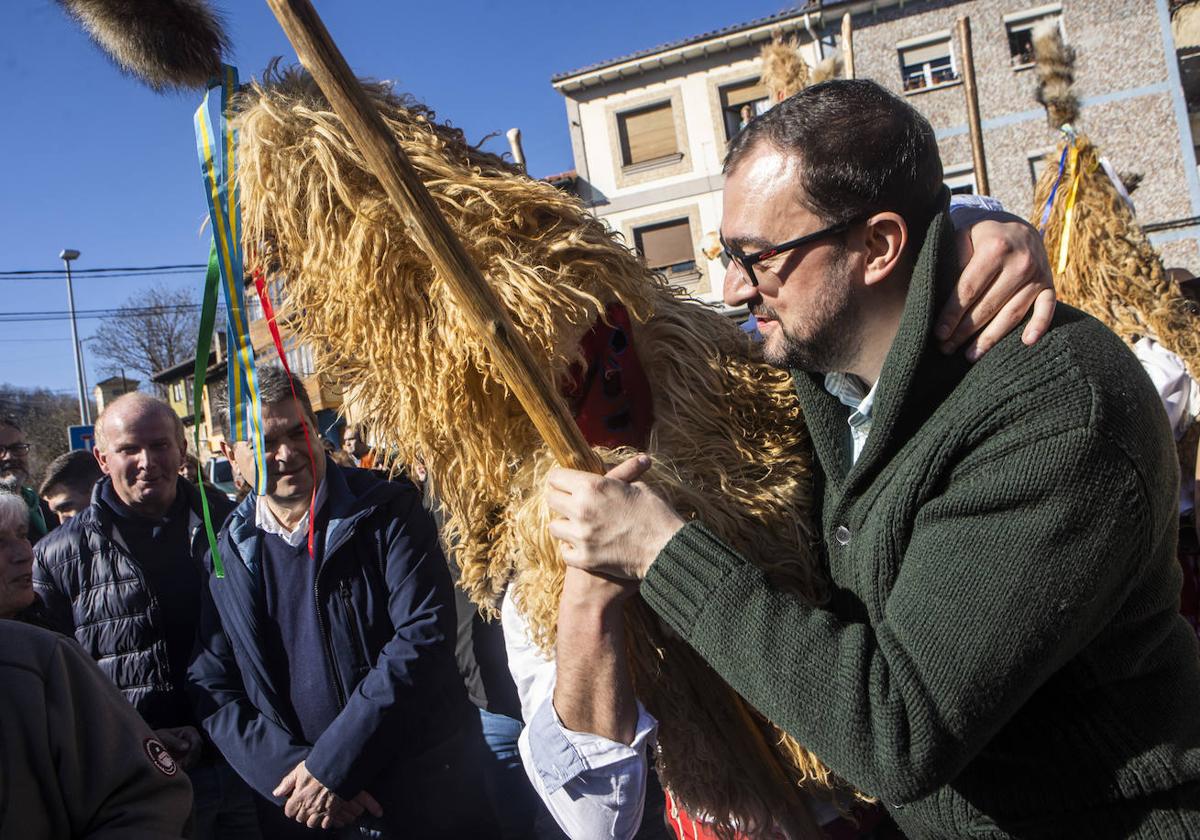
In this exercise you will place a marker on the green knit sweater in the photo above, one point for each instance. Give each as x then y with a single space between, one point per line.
1002 654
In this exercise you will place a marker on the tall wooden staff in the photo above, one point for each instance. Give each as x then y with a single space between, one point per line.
847 47
321 57
968 70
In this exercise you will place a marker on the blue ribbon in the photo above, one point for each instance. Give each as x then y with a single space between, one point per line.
1062 165
216 142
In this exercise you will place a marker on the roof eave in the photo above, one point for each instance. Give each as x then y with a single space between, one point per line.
755 31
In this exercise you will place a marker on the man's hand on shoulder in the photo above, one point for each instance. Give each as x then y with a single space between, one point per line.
1005 274
612 524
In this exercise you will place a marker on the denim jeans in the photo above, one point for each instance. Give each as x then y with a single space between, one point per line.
222 804
519 811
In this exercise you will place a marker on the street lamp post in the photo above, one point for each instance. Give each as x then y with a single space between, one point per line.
85 416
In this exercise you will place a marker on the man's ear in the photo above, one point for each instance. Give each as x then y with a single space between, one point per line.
101 459
885 236
227 449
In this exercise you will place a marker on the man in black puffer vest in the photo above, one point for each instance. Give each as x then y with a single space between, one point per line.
124 578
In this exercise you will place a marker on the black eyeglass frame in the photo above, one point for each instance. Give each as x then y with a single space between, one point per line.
748 261
15 449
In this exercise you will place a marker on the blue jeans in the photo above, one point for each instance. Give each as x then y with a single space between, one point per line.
222 804
519 811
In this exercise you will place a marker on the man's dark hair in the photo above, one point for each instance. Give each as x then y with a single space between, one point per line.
9 422
274 386
861 149
76 470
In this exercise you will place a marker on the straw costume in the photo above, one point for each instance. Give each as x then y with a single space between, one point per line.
1103 262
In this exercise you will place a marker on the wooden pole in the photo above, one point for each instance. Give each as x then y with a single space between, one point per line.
847 47
487 317
968 70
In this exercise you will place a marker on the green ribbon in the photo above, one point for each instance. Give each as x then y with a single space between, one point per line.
208 319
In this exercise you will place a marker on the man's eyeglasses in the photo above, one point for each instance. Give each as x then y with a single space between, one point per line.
14 449
748 261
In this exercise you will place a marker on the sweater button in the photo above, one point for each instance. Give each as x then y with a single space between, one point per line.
842 535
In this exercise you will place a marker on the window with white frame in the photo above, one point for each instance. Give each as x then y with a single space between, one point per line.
742 102
927 62
667 246
1019 27
960 179
177 392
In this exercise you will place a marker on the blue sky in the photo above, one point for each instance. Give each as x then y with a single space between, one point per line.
94 161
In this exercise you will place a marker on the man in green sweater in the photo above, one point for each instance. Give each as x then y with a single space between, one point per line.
1001 655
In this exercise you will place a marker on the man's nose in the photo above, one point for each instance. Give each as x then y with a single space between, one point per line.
738 289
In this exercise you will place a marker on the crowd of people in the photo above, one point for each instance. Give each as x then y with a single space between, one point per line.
1001 653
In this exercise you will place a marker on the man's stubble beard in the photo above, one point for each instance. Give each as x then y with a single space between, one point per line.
831 339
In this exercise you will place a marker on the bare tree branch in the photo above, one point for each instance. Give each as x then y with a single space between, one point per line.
152 331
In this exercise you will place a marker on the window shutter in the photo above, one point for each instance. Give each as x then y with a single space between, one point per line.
667 244
736 95
925 53
648 134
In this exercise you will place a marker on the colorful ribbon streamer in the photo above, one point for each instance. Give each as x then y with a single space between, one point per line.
1065 241
208 318
1062 165
218 163
260 286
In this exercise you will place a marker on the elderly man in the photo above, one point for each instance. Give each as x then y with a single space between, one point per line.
1001 654
14 476
328 675
68 484
124 578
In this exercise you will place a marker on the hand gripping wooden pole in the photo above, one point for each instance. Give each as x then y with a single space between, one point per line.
530 383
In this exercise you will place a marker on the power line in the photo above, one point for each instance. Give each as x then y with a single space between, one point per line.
82 314
77 272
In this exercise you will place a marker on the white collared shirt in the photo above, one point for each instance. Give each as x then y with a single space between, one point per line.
266 521
1180 395
853 393
593 787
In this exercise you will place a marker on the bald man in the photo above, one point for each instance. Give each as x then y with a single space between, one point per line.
123 577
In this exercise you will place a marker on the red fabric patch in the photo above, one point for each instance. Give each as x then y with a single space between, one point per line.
610 397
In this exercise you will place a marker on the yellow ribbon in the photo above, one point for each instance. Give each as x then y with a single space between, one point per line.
1065 244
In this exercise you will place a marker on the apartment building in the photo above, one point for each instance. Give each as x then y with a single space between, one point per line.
649 129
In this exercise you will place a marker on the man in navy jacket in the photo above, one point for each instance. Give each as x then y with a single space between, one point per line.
326 672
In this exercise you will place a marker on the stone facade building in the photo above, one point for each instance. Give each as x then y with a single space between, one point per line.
649 130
